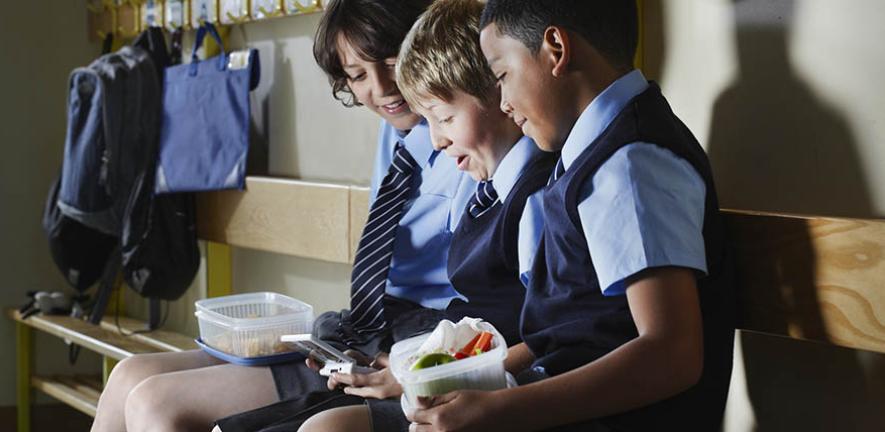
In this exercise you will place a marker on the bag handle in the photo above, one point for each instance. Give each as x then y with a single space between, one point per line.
201 34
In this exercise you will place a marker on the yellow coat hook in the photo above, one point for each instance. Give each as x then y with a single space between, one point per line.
236 20
314 6
274 13
137 11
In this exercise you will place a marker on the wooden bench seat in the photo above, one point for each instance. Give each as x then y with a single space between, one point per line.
106 339
82 392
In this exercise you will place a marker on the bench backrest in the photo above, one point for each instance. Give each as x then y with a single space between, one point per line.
812 278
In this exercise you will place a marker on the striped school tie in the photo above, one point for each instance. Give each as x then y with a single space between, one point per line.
372 263
557 172
483 200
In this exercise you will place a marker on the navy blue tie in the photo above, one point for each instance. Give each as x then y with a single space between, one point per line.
483 200
557 172
372 262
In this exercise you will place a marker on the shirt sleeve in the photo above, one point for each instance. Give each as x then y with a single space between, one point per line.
531 226
643 208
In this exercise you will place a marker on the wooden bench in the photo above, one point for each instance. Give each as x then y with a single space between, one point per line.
816 279
811 278
303 219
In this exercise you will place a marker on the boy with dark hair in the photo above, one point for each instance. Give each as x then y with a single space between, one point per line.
628 321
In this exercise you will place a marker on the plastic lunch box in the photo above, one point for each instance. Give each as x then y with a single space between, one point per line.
250 325
482 372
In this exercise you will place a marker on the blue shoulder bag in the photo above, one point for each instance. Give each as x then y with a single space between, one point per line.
204 136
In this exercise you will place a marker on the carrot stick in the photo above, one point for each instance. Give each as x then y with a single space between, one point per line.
465 352
483 343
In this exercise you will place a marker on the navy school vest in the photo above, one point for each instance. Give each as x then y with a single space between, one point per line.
568 322
483 261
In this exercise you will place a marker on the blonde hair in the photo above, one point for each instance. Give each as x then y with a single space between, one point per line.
441 54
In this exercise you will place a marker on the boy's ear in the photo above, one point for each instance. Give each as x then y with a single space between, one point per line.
557 46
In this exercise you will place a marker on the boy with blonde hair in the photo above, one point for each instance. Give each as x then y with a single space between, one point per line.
443 75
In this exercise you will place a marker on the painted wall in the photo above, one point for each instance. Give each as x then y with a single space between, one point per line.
41 41
785 96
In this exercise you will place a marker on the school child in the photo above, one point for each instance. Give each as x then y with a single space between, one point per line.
628 319
442 73
399 283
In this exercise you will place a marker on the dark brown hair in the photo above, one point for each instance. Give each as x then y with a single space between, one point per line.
375 29
611 26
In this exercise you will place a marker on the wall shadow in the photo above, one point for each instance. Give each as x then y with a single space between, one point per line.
775 146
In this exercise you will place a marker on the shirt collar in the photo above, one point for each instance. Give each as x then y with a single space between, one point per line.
510 168
600 113
417 142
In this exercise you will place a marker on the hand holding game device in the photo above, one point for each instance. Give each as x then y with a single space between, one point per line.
332 360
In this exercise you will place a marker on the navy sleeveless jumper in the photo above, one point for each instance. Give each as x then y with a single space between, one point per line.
568 322
483 260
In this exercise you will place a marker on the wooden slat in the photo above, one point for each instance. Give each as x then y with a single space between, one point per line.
162 340
89 386
283 216
83 401
818 279
92 337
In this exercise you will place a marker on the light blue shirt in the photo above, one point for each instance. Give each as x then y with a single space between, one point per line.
531 223
644 207
420 253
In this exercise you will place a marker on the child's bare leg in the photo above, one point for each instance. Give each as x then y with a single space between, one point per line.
192 400
133 370
346 419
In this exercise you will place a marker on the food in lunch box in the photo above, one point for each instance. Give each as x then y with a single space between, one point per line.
433 359
480 343
251 347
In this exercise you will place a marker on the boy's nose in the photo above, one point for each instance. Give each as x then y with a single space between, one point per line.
383 86
506 107
440 143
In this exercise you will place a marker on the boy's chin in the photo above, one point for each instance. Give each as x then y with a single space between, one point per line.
403 122
476 176
548 144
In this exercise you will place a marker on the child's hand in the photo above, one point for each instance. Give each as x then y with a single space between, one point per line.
462 410
376 385
361 359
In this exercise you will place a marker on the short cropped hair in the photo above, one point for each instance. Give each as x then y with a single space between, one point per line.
611 26
441 54
375 28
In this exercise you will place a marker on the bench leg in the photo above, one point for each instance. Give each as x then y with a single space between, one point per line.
218 270
107 365
24 362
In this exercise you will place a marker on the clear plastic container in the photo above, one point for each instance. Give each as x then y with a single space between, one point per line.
482 372
250 325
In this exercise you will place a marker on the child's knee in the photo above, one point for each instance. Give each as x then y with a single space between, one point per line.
149 406
347 419
132 371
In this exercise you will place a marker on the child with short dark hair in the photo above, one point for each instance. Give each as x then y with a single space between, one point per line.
628 321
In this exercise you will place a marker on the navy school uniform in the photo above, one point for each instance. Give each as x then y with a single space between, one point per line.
490 262
417 289
484 259
576 310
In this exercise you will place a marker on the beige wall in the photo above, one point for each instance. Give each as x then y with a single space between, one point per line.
786 98
40 42
784 95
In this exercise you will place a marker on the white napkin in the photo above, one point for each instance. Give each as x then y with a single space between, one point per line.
450 337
